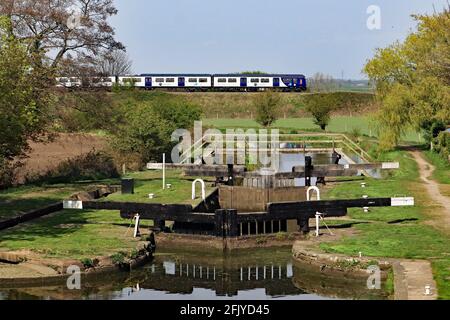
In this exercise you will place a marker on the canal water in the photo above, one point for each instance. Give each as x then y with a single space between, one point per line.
256 274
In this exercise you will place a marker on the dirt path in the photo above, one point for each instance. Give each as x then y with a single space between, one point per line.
432 187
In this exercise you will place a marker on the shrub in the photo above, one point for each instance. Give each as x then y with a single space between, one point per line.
94 165
267 105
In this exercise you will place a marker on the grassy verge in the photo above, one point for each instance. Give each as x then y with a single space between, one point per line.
397 232
72 235
442 172
15 201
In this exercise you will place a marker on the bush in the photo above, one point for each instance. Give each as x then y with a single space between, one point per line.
94 165
442 145
267 105
148 122
8 172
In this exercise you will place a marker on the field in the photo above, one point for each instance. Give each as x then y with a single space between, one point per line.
46 156
340 124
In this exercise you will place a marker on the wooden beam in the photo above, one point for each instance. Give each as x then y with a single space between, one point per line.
357 166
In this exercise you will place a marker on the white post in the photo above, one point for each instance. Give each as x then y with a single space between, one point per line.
136 226
164 171
317 223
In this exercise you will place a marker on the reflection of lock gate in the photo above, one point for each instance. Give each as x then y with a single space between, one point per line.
244 273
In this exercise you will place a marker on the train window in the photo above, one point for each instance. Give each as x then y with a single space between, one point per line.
254 80
265 80
170 79
159 80
232 80
192 80
203 80
221 80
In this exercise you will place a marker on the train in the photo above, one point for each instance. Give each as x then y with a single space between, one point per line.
192 82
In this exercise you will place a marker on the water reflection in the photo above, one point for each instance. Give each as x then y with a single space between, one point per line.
257 274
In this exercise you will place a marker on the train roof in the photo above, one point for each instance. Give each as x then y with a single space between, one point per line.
175 75
219 75
257 75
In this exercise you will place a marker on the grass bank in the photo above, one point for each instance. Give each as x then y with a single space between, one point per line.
85 234
396 232
442 172
15 201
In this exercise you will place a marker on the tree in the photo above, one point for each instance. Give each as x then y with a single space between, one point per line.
24 101
62 26
320 107
413 80
267 104
115 63
143 129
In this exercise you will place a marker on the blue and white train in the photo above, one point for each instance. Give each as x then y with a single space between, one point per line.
196 82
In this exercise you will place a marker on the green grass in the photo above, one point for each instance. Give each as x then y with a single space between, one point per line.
340 124
84 235
147 182
397 232
442 172
72 235
15 201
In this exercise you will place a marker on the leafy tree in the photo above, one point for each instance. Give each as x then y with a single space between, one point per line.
413 80
23 100
320 107
267 104
143 129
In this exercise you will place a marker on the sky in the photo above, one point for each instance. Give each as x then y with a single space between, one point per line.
288 36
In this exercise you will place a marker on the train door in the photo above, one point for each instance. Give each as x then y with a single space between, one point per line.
298 83
244 82
148 82
181 82
276 82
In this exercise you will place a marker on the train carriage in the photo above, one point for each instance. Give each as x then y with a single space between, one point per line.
179 81
251 82
191 82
